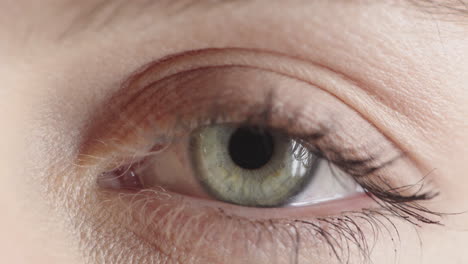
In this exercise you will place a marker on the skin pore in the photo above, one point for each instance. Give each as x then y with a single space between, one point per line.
400 65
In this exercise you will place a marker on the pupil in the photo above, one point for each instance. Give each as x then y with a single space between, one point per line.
251 148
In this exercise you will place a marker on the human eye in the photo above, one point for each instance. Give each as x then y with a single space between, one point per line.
236 147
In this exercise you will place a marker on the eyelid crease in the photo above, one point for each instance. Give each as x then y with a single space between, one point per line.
160 83
164 68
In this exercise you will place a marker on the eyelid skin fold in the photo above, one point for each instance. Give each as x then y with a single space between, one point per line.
172 97
159 71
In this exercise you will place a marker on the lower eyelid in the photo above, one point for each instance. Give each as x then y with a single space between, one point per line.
169 221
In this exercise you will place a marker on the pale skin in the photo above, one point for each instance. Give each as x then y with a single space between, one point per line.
61 60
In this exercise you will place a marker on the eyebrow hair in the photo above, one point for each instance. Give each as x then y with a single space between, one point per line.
443 7
102 12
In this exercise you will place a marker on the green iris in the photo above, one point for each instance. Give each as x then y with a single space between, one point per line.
250 166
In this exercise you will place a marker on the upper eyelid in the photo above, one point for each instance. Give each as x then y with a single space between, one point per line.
298 68
326 118
335 83
315 75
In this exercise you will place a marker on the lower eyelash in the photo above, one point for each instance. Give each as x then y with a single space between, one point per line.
343 233
347 238
350 235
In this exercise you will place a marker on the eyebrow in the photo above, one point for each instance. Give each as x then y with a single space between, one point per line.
443 7
103 12
99 13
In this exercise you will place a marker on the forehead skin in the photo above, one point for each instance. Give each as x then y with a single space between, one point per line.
62 59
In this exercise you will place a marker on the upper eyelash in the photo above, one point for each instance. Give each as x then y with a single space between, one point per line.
407 207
